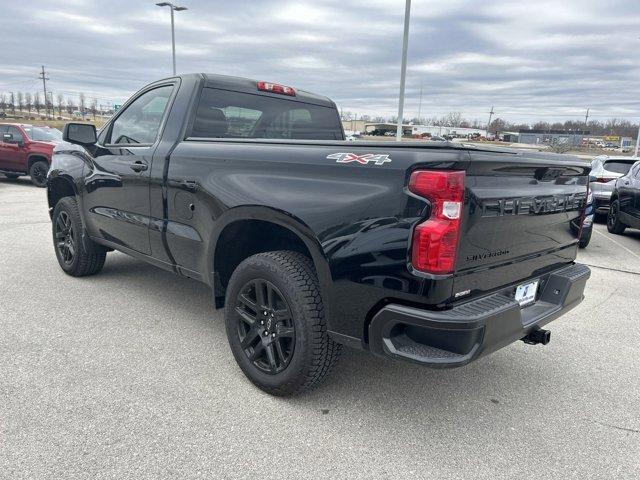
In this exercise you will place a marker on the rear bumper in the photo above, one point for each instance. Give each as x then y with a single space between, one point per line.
602 203
455 337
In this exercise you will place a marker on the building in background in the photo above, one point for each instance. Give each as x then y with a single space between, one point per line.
552 137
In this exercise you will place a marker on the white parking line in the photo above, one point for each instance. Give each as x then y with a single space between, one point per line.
608 237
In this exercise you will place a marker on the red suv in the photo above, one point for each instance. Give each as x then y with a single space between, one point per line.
27 150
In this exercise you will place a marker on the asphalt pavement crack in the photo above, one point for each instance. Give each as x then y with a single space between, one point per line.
624 429
611 269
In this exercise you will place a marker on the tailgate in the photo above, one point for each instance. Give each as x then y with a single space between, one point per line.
522 218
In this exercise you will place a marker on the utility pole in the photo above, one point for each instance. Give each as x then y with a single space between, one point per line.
44 79
490 117
403 70
637 142
586 117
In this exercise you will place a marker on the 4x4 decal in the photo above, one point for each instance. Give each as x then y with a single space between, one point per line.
377 159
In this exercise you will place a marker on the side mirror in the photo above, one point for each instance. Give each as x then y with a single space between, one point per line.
80 133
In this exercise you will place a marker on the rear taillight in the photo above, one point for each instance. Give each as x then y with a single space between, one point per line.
435 241
276 88
604 179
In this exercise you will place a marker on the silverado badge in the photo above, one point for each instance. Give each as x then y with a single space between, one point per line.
377 159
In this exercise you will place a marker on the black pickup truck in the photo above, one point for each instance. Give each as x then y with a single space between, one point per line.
435 253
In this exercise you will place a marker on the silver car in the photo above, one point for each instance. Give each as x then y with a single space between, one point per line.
605 170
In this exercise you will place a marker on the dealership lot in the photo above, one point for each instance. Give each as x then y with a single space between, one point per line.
128 374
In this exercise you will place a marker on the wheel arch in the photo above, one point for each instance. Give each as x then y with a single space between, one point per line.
59 186
36 157
259 229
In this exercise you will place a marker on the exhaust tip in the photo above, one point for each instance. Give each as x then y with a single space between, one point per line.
537 336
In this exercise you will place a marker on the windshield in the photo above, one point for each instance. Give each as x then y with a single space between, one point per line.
43 134
618 166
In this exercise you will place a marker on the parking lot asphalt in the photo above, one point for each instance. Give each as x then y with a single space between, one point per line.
127 374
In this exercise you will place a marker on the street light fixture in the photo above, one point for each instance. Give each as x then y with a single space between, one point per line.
172 8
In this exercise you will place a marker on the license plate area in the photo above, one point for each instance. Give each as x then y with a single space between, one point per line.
526 293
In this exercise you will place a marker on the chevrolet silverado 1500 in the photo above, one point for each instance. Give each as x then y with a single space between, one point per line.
435 253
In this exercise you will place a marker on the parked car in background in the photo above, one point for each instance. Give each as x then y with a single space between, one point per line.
605 170
587 223
27 150
625 202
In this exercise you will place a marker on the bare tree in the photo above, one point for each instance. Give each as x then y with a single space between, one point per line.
60 100
70 106
497 125
28 100
36 102
82 103
20 100
13 104
94 107
454 119
3 101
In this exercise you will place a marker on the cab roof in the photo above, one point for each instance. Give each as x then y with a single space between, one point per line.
247 85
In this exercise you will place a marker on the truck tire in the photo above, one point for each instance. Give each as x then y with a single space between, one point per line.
71 251
12 176
275 323
585 239
614 225
38 173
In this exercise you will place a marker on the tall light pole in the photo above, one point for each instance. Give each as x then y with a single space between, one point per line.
637 142
403 71
172 8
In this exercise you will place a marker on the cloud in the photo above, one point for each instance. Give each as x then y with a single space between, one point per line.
544 59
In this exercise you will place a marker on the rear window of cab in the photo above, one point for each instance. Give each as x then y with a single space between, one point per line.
228 114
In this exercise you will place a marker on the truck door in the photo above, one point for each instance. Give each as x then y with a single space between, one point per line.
12 150
116 196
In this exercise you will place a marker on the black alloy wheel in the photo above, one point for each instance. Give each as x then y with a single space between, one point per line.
614 225
275 323
265 326
65 238
38 173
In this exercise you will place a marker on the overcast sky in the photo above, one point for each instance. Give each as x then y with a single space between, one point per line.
532 60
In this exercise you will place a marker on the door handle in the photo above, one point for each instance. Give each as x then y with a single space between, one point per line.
138 166
189 184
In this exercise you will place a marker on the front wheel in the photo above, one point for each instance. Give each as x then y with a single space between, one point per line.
38 173
614 225
72 255
275 323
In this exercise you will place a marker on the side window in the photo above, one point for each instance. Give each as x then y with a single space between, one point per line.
140 122
17 134
295 124
240 121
